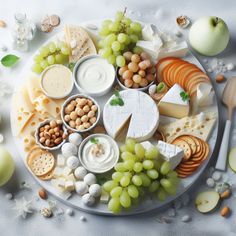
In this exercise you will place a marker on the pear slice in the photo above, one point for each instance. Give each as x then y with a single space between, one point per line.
207 201
232 159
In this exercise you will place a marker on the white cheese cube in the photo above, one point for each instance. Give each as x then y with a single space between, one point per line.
70 177
69 185
61 160
58 171
61 182
104 198
67 171
170 153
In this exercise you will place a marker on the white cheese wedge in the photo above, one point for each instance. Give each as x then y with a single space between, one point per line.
205 95
172 103
146 145
170 153
139 111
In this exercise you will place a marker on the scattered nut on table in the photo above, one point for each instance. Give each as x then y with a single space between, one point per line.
225 194
225 211
43 193
220 78
2 24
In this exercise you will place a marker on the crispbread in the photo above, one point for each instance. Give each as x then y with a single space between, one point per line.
47 176
84 44
185 146
191 143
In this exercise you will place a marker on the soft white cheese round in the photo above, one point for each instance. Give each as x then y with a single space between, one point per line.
75 139
90 179
68 149
72 162
88 199
80 172
95 190
81 187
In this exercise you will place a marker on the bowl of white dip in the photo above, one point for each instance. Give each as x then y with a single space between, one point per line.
56 81
98 153
93 75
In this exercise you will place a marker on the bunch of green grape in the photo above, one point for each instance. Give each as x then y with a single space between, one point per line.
53 53
119 36
139 171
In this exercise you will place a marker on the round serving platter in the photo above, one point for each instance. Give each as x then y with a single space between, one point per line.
148 204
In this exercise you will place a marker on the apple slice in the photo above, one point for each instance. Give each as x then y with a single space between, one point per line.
207 201
232 159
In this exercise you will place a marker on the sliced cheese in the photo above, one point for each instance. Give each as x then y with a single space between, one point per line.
205 94
197 125
139 110
33 87
170 153
172 103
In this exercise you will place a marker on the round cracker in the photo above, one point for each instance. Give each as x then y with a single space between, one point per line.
41 163
198 143
185 146
158 135
191 142
48 176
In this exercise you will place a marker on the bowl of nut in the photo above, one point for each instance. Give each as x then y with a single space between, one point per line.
137 73
51 134
80 113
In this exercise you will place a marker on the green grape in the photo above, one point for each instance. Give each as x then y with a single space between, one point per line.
61 44
139 150
115 46
154 186
106 52
116 54
133 191
44 51
174 180
44 64
114 205
119 16
168 186
137 50
38 58
138 167
129 31
112 59
109 185
137 180
165 168
172 174
125 200
123 148
122 47
37 68
128 174
52 47
116 192
114 26
105 23
157 163
65 59
120 167
128 156
128 40
104 31
127 21
125 180
121 37
59 58
130 144
161 194
65 50
129 164
136 27
133 38
145 179
142 191
51 60
151 153
120 61
101 44
148 164
110 39
116 176
153 174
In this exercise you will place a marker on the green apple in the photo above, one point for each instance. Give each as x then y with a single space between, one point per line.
207 201
209 35
7 166
232 159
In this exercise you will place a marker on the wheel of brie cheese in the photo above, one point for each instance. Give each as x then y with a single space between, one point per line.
139 111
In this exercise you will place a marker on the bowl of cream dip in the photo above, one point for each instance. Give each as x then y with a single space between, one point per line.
56 81
93 75
98 153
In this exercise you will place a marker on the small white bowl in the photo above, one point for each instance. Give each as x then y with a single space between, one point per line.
40 144
111 140
61 95
63 112
126 88
98 94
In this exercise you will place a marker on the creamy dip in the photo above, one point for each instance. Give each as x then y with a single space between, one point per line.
57 81
95 75
101 156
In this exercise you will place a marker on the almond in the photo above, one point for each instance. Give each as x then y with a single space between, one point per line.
2 24
225 211
220 78
42 194
225 194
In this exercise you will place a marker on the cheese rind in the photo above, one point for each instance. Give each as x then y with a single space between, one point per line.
139 108
171 153
172 103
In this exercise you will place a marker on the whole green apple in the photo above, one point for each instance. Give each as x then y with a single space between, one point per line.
7 166
209 35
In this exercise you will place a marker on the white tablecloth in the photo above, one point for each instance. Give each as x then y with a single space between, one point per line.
163 14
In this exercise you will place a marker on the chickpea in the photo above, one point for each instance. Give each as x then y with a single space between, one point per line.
47 142
53 123
70 107
143 83
67 118
142 73
57 134
92 120
135 85
47 127
86 108
41 135
81 127
89 102
84 118
72 124
67 111
122 70
73 115
82 102
128 83
42 140
135 58
78 121
41 129
91 114
73 103
51 131
86 125
80 112
94 108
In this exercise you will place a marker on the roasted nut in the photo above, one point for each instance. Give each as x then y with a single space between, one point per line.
225 194
220 78
225 211
43 193
2 24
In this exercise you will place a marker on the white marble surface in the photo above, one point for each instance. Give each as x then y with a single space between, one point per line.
163 14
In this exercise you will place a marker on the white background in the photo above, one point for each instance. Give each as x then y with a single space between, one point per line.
161 13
